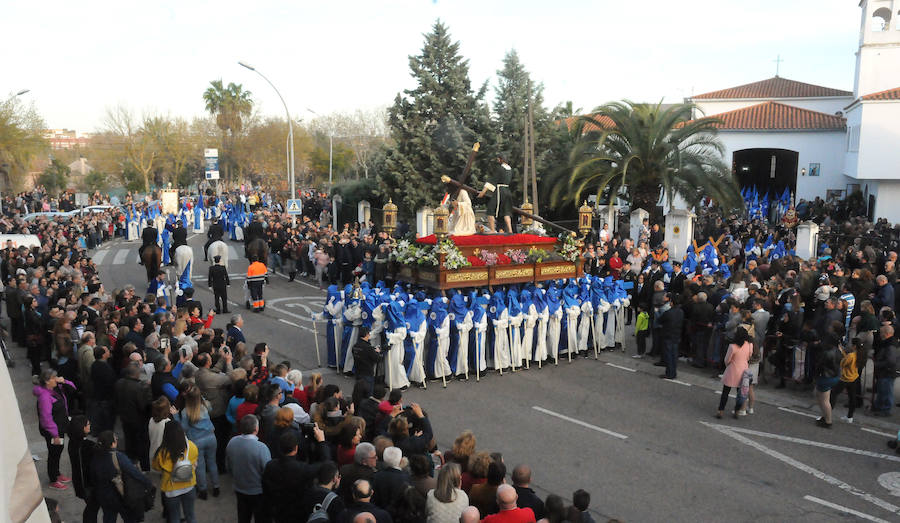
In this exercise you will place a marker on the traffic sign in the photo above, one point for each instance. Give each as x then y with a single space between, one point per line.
294 206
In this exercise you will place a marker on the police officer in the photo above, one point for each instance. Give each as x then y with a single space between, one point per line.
218 280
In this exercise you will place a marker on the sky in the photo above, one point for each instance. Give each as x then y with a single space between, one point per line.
80 58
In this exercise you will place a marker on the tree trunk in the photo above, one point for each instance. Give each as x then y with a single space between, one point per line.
646 196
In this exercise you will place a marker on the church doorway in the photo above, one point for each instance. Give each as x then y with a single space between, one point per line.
769 170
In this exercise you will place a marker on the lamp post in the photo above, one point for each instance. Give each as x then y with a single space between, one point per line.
290 128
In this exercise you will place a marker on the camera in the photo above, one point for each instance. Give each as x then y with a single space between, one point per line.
163 343
308 429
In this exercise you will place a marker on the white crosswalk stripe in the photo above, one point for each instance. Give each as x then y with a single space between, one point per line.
120 257
99 256
123 255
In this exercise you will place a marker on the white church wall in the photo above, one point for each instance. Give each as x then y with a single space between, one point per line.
828 105
823 147
851 157
886 198
879 155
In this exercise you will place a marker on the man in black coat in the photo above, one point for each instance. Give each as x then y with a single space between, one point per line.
365 358
521 477
179 238
362 502
254 230
390 482
132 398
103 380
286 477
219 281
213 234
670 326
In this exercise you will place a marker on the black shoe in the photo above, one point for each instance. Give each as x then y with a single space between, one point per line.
659 364
225 311
663 376
215 492
201 494
780 386
822 423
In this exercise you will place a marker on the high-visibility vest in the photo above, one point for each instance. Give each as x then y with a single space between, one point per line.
256 271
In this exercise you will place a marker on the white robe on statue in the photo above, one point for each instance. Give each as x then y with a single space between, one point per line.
377 325
464 217
335 309
395 374
134 232
417 372
463 327
501 341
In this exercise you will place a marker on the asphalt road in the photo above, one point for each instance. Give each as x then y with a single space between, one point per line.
646 449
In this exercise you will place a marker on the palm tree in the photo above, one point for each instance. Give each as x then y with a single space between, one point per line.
230 105
637 150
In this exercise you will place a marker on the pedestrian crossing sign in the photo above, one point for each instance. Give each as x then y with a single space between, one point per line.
294 206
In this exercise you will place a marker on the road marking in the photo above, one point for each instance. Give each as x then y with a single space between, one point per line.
99 256
885 434
732 433
579 422
680 382
719 393
120 256
810 443
292 324
840 508
621 367
792 411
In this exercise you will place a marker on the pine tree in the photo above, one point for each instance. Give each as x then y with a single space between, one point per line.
512 94
434 125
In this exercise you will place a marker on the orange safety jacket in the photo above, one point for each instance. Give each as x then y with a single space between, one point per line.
256 272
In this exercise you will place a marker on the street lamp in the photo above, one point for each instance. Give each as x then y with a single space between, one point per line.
330 148
290 128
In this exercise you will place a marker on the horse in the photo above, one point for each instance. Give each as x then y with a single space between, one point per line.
257 250
218 248
184 255
151 257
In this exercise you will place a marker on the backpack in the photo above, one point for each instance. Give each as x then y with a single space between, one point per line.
320 510
183 470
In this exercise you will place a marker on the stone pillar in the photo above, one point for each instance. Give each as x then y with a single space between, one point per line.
807 240
607 214
424 222
679 232
363 211
637 218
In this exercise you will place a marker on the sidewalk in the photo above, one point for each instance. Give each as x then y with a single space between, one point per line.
795 397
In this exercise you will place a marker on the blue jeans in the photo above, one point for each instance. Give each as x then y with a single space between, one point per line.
207 462
884 395
670 357
185 503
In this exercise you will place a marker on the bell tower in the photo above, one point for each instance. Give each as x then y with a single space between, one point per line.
878 57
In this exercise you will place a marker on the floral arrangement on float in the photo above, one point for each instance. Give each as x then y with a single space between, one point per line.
454 258
569 249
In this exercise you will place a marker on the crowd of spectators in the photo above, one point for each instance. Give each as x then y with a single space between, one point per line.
145 399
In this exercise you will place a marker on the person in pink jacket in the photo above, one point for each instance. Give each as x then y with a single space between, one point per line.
737 360
53 420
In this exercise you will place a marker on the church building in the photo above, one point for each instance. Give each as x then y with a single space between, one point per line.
821 141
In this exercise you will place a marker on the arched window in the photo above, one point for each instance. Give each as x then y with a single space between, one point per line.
881 19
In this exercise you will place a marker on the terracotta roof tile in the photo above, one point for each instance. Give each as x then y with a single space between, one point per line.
605 121
776 116
888 94
776 87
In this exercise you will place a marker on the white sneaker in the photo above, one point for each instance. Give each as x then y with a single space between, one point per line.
742 413
845 418
637 356
750 410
